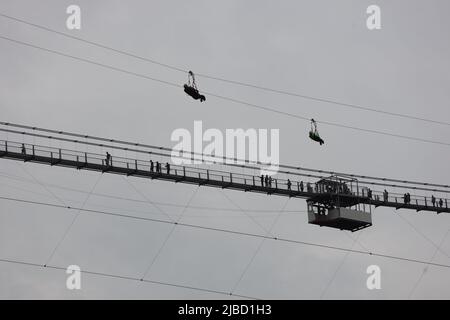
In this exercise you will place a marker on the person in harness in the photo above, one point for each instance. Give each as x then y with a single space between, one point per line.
314 134
191 88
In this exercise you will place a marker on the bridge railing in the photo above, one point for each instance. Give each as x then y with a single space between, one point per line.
30 150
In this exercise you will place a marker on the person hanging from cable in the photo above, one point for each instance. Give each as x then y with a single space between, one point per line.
314 134
191 88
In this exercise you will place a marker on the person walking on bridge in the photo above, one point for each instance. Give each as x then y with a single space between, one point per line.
168 167
108 159
385 195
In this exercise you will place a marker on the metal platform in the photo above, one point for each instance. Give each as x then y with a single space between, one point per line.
341 218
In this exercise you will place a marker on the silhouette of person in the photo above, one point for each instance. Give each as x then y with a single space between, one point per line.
24 150
289 184
433 200
194 93
168 167
301 186
262 180
152 166
108 159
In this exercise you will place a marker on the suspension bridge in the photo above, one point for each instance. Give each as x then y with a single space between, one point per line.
333 199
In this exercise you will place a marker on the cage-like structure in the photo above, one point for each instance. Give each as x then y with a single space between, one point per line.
336 203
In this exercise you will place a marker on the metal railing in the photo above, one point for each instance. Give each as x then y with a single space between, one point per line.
250 180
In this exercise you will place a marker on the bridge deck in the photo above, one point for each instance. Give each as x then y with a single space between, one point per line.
211 178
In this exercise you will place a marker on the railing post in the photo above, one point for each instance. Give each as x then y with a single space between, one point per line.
276 184
446 203
85 158
298 186
33 150
184 171
253 180
231 177
135 164
6 146
60 154
207 174
426 205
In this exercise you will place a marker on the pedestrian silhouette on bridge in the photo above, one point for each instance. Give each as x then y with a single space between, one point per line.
24 150
168 167
108 159
289 184
385 195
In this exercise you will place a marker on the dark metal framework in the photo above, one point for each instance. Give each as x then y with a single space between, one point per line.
326 193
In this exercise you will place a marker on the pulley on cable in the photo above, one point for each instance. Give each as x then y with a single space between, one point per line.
314 134
191 88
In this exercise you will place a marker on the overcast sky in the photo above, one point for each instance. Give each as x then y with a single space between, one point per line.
318 48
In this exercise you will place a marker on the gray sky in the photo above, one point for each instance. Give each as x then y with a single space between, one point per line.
318 48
